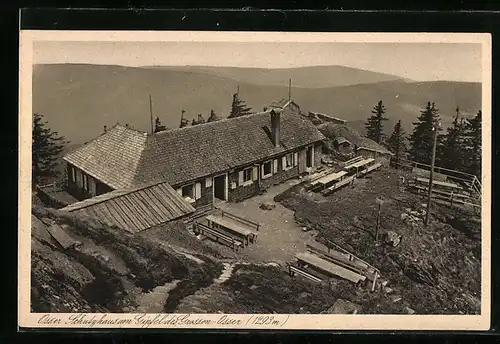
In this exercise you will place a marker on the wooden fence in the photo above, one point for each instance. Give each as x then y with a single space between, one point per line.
467 180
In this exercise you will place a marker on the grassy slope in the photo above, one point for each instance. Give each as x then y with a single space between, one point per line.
79 99
106 271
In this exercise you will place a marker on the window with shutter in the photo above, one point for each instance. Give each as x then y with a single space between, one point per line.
275 166
283 163
255 173
295 159
240 178
267 169
197 192
208 182
73 174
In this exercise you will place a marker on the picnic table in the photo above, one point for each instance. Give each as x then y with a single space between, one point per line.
328 267
331 177
233 227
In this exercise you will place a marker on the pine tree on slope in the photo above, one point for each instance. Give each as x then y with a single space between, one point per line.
453 146
396 143
374 124
474 144
46 147
213 117
239 107
184 121
422 137
159 126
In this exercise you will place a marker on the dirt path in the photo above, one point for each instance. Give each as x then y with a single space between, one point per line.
279 237
154 301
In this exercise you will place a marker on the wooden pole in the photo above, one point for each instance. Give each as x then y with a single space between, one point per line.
374 281
378 221
429 195
289 89
151 112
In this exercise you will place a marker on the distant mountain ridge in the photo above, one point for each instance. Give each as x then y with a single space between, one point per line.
78 99
303 77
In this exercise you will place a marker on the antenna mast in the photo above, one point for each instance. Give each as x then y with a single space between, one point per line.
151 112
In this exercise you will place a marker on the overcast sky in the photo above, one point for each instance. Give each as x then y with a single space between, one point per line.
416 61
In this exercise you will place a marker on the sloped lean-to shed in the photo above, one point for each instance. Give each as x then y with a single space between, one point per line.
135 209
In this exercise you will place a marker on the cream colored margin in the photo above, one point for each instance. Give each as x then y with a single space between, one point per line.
244 321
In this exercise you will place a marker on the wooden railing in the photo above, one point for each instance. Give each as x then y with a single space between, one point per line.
469 180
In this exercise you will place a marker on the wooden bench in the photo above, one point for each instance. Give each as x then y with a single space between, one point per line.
292 270
246 222
236 229
338 185
353 265
352 161
329 268
235 244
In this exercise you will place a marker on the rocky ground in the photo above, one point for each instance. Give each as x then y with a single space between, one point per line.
433 270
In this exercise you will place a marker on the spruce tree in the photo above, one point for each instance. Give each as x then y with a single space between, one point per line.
193 122
422 137
47 145
159 126
239 107
374 124
200 119
473 144
184 121
453 146
213 117
396 143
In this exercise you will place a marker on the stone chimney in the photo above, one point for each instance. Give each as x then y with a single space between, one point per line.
275 127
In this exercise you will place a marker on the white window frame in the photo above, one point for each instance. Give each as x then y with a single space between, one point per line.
73 174
187 197
208 182
249 171
264 175
285 165
85 181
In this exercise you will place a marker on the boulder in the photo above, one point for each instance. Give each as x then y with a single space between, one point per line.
342 306
409 310
392 238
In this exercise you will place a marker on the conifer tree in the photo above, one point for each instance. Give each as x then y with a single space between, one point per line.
474 144
374 124
213 117
396 143
46 147
184 121
452 154
239 107
159 126
193 122
422 137
200 119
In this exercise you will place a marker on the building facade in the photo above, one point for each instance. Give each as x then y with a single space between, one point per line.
227 160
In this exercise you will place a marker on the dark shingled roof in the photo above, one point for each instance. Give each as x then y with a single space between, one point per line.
336 131
123 157
137 208
113 157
